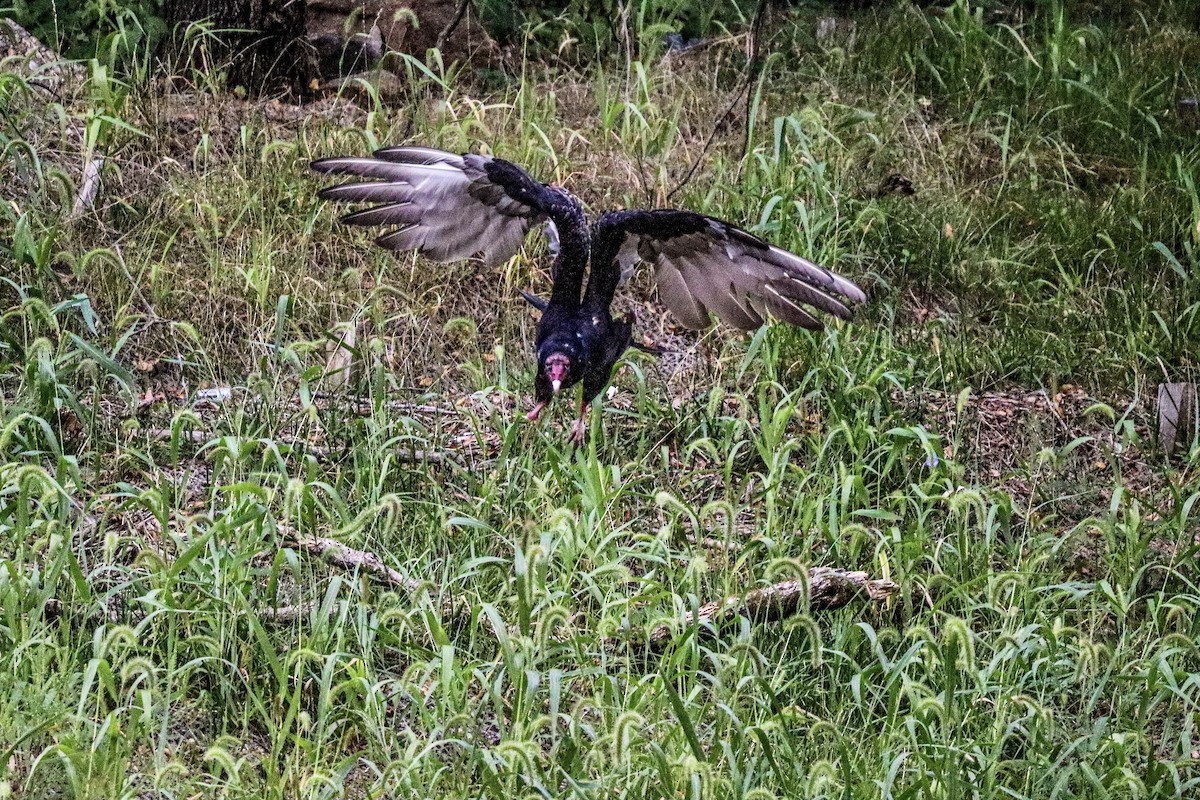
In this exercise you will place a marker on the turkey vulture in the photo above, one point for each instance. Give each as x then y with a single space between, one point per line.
450 207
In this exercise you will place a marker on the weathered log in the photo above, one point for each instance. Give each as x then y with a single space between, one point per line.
828 589
316 450
282 615
1177 415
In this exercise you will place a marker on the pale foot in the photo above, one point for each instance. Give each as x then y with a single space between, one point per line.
579 428
579 431
537 411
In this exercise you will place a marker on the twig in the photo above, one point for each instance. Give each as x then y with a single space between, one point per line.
755 62
751 70
320 451
450 26
828 589
1045 395
147 306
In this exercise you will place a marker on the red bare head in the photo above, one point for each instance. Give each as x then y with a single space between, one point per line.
558 366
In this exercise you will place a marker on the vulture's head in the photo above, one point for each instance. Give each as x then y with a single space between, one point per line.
559 366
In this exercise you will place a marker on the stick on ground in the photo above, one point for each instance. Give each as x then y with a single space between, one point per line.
828 589
319 451
340 555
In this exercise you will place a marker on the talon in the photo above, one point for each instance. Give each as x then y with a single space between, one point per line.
579 428
533 415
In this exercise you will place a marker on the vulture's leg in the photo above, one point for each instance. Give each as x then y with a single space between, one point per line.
579 428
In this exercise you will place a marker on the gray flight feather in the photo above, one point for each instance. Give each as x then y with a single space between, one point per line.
443 204
713 267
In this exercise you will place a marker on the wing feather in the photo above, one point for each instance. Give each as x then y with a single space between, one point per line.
705 265
403 213
447 206
673 290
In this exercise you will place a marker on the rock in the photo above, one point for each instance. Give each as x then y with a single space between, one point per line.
895 183
402 26
1189 112
676 43
387 86
338 56
35 62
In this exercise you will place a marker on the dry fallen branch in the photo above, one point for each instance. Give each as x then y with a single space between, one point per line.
828 589
85 199
1177 414
447 31
341 347
365 406
341 555
195 437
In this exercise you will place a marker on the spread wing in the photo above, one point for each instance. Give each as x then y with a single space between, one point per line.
446 206
707 266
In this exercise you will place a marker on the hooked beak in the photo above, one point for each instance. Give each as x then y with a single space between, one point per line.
556 371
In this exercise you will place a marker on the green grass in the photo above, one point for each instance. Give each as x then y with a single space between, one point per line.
1043 639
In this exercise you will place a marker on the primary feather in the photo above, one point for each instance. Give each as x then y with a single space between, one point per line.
444 206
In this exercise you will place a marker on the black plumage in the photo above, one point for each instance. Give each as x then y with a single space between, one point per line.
449 207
